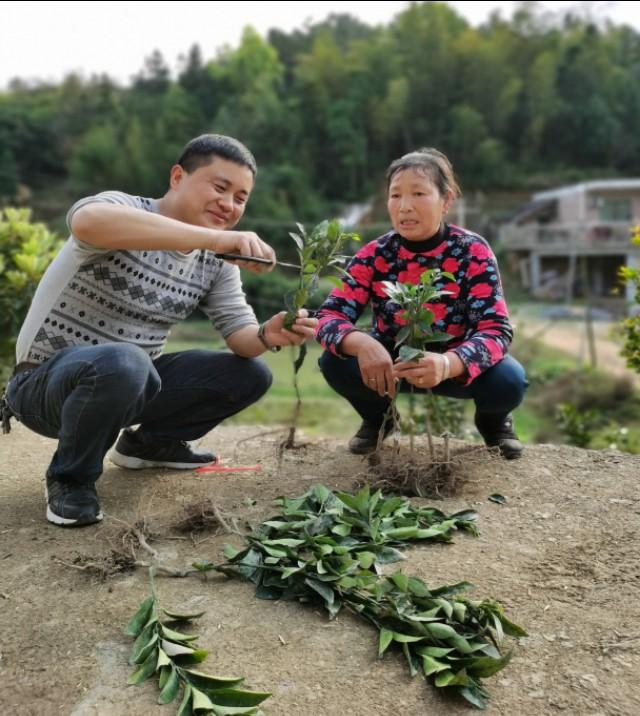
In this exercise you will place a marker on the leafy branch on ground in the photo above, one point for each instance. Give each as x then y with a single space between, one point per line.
317 252
330 546
160 649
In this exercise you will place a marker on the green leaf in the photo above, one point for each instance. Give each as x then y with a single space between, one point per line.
413 662
192 656
146 637
475 695
201 702
499 499
418 587
140 618
165 672
163 659
440 631
386 637
322 589
207 682
485 666
388 555
237 697
436 651
400 580
185 707
408 354
341 530
285 542
171 688
510 627
178 617
366 559
407 638
230 552
449 678
143 672
432 666
402 533
176 636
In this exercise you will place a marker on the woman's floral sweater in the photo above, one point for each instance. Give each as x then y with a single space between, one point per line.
474 314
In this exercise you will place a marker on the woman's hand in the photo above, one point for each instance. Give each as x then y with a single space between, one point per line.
374 361
303 328
430 371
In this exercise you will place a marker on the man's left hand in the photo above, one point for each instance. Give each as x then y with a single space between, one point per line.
303 328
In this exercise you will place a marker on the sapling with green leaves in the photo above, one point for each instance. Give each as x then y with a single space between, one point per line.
159 648
318 252
417 331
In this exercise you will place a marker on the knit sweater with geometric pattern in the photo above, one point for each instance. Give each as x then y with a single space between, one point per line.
89 295
474 313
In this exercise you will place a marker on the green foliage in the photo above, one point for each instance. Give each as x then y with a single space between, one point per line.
418 331
317 252
532 98
160 649
329 548
631 326
26 249
576 425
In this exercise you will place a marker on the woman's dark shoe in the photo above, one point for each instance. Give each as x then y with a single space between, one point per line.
497 431
366 439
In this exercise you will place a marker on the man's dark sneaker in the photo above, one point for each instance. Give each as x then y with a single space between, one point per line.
497 431
366 439
71 504
135 452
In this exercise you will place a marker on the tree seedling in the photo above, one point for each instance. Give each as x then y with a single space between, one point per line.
318 252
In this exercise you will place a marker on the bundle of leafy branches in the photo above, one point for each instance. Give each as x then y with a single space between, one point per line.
318 251
329 547
159 648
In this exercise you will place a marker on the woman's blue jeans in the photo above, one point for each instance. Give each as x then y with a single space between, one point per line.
84 396
497 391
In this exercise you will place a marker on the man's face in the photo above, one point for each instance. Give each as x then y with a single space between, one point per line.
214 196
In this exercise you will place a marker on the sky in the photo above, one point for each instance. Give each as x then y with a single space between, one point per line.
47 40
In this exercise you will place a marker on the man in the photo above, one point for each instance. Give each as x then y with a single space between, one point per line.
89 354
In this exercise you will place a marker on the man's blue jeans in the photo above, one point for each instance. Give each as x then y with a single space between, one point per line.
497 391
83 396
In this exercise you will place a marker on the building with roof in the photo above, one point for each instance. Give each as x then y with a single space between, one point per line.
571 241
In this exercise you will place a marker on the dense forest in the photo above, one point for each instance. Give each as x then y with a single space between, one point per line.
524 103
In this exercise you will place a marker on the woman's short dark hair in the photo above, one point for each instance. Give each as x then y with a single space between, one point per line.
430 162
200 151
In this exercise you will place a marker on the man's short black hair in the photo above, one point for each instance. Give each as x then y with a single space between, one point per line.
200 151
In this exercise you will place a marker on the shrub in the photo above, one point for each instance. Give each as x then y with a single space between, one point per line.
26 249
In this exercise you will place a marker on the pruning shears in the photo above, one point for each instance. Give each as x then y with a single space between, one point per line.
255 259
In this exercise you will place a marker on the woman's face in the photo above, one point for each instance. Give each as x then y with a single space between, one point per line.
415 205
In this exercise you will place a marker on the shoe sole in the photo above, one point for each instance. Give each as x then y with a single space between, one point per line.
66 522
136 463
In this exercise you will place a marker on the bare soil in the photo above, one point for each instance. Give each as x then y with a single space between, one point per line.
561 555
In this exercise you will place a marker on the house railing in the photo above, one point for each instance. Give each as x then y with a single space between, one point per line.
591 236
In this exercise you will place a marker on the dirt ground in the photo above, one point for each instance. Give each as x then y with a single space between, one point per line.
561 555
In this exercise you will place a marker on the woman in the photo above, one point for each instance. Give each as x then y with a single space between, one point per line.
360 366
